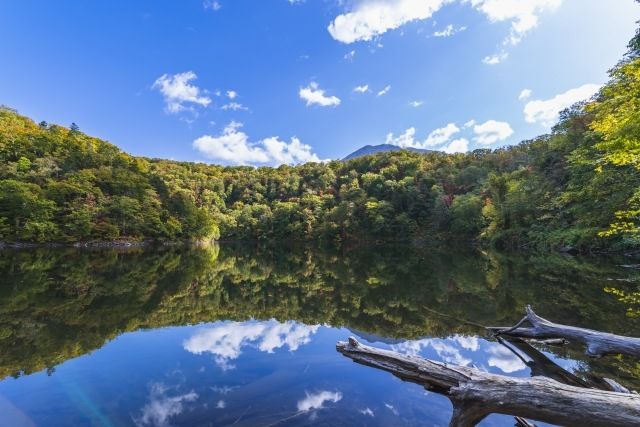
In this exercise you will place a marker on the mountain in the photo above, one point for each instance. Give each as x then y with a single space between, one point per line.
373 149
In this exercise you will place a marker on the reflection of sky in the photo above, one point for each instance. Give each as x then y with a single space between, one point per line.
465 351
285 373
225 340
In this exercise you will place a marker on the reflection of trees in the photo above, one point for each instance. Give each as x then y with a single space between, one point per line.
58 304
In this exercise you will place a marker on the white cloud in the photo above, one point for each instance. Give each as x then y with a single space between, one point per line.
503 359
177 91
449 31
384 91
369 19
233 146
486 133
317 400
496 58
211 5
350 55
523 14
460 145
524 95
312 94
221 404
545 112
160 408
416 103
234 106
437 137
225 341
492 131
441 135
407 139
361 89
232 94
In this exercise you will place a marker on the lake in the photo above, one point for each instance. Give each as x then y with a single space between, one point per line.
245 335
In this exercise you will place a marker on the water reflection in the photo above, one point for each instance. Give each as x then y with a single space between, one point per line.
225 341
107 337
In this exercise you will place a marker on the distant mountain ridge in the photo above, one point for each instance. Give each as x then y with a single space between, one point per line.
381 148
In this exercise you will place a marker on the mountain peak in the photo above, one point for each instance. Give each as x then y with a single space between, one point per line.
381 148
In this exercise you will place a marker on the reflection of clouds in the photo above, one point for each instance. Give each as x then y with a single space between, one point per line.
392 409
367 411
469 343
224 389
162 407
450 350
225 341
444 348
317 400
221 404
504 359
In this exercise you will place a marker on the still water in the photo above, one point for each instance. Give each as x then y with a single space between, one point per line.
245 336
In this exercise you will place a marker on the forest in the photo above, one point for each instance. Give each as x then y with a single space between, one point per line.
576 188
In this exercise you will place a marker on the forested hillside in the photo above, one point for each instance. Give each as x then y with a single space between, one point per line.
578 186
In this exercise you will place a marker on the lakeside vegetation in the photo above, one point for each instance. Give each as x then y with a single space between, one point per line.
577 187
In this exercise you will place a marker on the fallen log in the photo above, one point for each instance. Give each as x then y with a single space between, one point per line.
476 394
598 343
541 365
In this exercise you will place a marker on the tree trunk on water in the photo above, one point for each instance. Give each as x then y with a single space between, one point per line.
598 343
476 394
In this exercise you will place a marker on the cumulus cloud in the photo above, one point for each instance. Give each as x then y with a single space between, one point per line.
523 14
449 31
545 112
442 138
178 92
361 89
368 19
232 94
225 341
439 138
492 131
233 146
441 135
405 140
161 408
384 91
460 145
317 400
524 95
313 95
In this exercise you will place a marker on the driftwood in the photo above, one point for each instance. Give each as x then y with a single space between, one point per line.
541 365
475 394
598 343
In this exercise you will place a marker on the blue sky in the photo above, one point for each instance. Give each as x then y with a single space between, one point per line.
266 82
